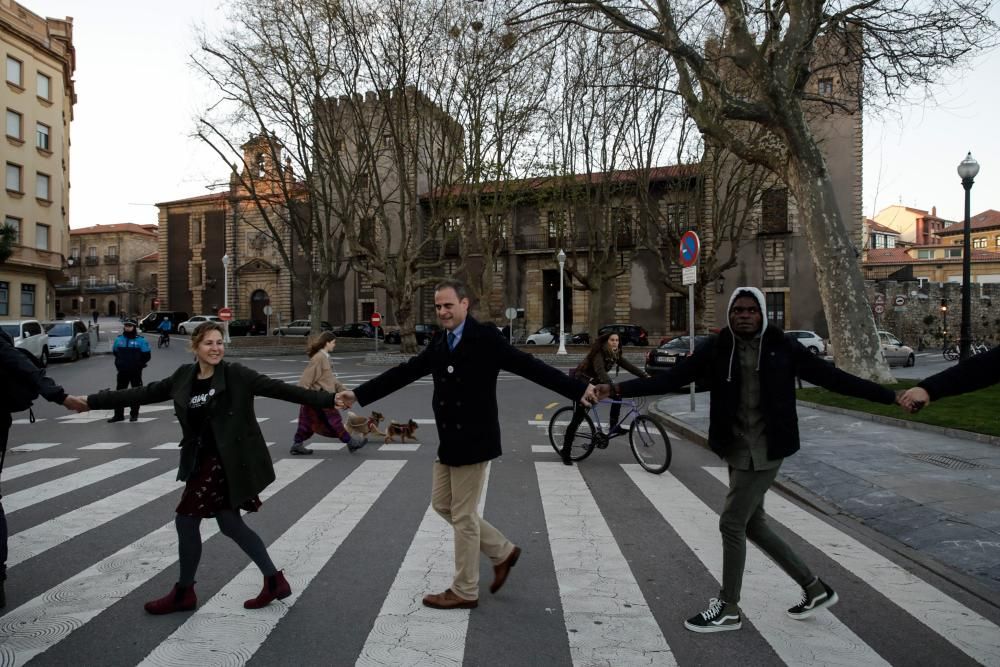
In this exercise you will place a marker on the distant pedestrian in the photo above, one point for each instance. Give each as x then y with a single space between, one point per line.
976 372
224 460
751 368
95 315
604 356
318 374
23 382
131 355
465 360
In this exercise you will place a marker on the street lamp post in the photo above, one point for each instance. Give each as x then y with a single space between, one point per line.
967 171
225 293
561 257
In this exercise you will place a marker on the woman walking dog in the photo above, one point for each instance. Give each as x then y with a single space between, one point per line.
224 459
321 421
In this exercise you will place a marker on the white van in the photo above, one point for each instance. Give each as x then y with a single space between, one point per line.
30 335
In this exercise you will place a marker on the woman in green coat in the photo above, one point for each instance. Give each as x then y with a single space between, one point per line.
224 459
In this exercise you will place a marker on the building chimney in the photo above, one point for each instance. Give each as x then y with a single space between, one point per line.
934 211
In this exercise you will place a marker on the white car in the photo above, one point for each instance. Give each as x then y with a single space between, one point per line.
811 340
29 335
188 326
896 354
545 336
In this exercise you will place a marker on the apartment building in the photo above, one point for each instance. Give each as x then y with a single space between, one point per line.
38 60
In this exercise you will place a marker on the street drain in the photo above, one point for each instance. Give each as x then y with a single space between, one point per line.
952 462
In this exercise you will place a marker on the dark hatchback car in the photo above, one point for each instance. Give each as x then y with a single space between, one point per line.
667 355
423 332
630 334
246 328
357 330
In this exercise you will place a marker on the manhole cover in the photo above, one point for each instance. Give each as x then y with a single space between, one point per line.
946 461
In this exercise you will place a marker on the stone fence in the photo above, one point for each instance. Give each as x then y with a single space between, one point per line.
912 311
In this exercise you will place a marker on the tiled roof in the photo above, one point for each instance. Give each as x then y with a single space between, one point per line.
151 257
882 229
900 256
130 227
887 256
986 220
215 196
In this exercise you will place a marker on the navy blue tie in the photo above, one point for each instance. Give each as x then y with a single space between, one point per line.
451 340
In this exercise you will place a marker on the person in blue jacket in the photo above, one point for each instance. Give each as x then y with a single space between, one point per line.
131 355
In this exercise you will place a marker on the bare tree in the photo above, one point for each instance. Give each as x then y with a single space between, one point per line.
755 65
270 66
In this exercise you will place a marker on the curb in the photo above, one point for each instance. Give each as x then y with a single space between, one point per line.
800 493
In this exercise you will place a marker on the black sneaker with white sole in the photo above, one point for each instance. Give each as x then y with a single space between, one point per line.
813 600
719 617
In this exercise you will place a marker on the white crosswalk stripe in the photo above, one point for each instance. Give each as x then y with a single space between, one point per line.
31 467
36 494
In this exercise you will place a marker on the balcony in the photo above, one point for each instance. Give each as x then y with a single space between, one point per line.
90 260
35 258
111 259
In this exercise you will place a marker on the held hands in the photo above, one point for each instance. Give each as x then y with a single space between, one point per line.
344 399
589 398
913 399
603 391
76 403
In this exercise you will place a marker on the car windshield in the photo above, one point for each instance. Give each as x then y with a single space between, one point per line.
61 329
678 344
11 330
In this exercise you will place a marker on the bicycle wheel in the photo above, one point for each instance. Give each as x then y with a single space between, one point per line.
583 441
650 444
951 352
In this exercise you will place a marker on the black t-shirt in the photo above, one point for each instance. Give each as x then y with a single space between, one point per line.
198 414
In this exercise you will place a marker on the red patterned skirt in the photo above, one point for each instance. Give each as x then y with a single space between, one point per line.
206 492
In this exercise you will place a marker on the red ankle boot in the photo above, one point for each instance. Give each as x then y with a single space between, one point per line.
275 588
180 598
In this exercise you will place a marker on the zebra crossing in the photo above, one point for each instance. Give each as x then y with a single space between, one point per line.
604 606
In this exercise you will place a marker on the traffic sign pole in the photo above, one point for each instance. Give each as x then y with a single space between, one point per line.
690 248
376 321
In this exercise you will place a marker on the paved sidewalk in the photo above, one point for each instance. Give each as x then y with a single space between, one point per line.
939 495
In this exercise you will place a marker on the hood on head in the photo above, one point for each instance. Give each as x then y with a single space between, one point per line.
761 303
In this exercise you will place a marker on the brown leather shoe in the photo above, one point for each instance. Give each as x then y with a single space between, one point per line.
501 571
448 600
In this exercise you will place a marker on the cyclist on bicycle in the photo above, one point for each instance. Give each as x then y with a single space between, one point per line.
164 328
604 355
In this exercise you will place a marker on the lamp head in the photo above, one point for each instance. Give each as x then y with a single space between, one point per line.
968 168
561 257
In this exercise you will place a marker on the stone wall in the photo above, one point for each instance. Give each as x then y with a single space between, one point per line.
918 320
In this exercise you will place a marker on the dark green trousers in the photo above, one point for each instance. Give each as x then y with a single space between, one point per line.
744 517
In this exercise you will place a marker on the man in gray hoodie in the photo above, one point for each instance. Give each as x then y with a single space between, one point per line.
751 368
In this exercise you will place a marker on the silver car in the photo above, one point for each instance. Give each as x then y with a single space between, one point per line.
896 354
810 340
68 339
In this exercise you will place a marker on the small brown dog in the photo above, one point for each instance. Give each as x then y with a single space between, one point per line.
364 425
404 431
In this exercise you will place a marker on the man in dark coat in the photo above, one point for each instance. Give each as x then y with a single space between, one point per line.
22 383
465 359
132 353
976 372
751 368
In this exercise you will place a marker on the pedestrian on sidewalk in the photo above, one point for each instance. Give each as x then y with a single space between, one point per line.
604 356
976 372
224 460
95 315
751 368
131 355
318 374
23 382
465 359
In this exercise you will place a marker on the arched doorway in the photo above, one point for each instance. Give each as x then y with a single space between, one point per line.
112 309
258 300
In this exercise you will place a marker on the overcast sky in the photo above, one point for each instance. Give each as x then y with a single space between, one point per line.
138 98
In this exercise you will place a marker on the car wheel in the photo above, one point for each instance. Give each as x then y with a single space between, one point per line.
911 360
814 349
181 330
530 342
45 357
75 355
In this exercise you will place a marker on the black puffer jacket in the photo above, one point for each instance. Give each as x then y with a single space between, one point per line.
22 381
978 372
782 358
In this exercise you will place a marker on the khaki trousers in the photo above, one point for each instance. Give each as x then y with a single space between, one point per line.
455 496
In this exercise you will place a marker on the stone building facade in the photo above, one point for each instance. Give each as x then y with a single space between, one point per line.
38 60
104 271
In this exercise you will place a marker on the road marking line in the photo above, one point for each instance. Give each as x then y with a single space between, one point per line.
16 422
326 446
795 642
44 621
607 618
400 447
34 446
37 539
221 632
549 407
542 449
78 480
31 467
405 632
106 445
168 445
976 636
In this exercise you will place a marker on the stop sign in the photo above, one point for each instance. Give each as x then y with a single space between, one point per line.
225 314
376 319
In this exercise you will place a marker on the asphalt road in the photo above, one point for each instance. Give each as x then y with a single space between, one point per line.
614 558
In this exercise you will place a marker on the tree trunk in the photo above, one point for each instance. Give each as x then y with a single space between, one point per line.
841 287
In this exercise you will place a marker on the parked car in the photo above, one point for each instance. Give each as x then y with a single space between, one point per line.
550 336
300 328
151 322
357 330
423 332
811 340
895 352
29 335
69 339
630 334
246 328
188 326
666 355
